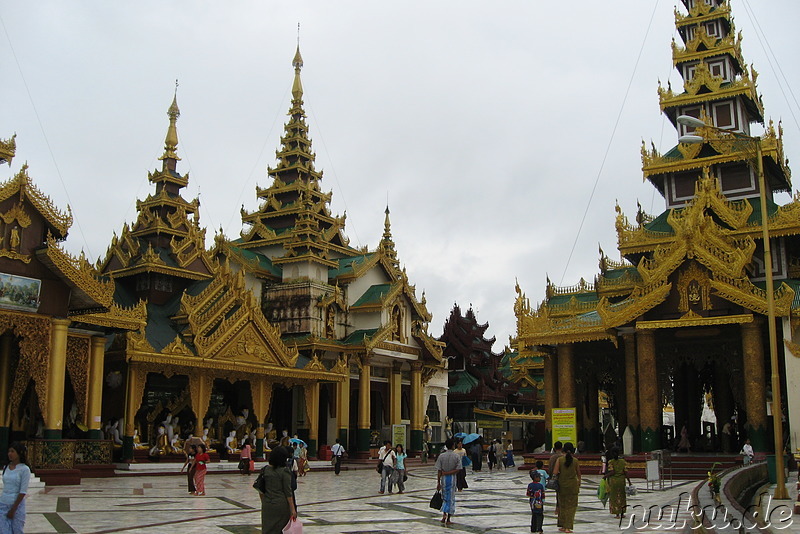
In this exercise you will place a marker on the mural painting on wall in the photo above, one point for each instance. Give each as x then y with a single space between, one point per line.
19 292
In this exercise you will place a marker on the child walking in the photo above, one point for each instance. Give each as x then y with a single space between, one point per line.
536 495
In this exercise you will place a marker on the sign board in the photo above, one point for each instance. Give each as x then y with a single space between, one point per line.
565 428
490 423
399 436
19 292
652 471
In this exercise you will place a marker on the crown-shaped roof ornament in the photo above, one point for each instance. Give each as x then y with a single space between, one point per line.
171 141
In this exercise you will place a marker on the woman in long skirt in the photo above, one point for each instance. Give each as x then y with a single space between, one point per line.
616 475
569 483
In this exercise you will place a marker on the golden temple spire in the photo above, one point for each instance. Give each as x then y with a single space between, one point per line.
387 226
297 62
171 141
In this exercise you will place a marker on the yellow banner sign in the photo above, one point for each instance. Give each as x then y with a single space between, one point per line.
564 425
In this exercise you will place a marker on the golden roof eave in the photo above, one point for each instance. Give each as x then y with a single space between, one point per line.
160 269
77 273
692 319
510 416
117 317
21 184
8 149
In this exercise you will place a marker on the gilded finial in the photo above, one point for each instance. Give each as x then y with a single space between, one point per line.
297 63
387 225
171 141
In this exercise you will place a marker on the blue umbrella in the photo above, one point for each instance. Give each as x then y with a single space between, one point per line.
469 438
460 435
298 441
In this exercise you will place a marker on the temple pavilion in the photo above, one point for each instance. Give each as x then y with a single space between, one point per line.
681 319
286 328
495 394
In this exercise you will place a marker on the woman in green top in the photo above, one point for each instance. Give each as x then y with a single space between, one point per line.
616 474
277 504
569 484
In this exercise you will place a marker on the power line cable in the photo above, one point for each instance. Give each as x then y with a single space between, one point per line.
44 134
610 142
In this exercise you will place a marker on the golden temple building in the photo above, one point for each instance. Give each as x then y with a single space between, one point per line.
284 331
684 312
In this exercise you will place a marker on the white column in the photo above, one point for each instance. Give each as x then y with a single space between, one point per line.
792 365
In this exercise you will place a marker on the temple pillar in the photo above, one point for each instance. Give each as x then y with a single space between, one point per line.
754 386
55 379
591 421
631 389
133 400
94 404
416 406
363 430
395 394
550 396
680 402
312 411
567 396
5 391
343 409
262 394
649 395
791 362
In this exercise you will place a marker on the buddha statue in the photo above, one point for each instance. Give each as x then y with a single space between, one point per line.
162 445
137 440
285 438
231 444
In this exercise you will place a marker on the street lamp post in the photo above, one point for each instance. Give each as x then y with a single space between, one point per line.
777 423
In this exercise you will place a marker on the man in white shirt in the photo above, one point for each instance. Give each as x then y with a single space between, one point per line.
747 452
386 455
337 450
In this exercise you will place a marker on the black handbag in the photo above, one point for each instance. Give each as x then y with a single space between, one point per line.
379 467
260 484
552 483
437 501
405 477
244 463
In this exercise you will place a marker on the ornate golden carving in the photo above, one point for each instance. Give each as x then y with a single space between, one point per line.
8 148
34 359
78 348
22 185
694 288
177 348
79 272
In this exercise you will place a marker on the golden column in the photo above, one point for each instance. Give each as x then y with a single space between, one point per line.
133 400
55 379
5 390
649 395
567 397
94 404
363 432
631 395
417 401
395 394
343 408
312 411
5 380
754 385
550 395
262 395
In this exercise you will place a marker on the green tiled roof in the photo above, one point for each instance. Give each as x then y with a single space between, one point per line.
613 274
346 265
580 297
465 383
660 224
264 262
373 295
358 336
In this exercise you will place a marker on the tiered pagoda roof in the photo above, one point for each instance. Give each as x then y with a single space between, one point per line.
294 212
163 240
700 261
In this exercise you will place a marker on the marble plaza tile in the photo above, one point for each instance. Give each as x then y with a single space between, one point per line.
328 504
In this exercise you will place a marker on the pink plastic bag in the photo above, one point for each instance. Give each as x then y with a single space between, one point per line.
293 527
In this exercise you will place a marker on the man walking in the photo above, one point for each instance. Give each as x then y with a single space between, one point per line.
337 450
448 464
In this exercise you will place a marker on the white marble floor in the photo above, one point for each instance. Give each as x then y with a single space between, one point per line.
349 503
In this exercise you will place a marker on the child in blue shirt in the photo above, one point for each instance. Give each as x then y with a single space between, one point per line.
542 472
536 495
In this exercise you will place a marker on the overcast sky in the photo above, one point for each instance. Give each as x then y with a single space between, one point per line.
485 124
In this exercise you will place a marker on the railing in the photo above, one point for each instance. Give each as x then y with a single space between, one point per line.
68 453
